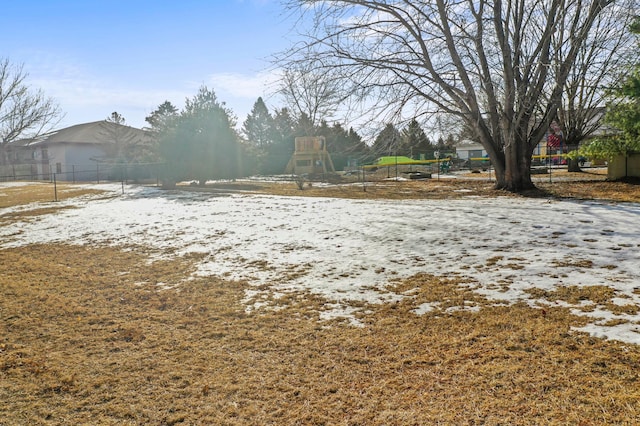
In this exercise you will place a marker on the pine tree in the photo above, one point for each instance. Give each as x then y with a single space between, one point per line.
258 127
162 118
414 141
387 142
203 144
280 151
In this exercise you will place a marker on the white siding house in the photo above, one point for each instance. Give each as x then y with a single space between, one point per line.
467 149
76 152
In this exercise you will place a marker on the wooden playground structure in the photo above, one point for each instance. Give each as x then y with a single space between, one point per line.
310 157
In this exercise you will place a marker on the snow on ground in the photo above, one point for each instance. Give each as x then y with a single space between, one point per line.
348 250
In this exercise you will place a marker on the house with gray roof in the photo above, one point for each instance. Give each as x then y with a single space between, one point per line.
84 152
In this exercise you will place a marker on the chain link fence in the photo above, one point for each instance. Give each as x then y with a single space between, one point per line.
98 172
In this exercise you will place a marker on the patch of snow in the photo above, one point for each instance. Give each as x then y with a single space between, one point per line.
350 250
464 308
627 332
426 308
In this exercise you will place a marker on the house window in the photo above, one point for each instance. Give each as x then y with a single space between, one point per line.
58 167
45 154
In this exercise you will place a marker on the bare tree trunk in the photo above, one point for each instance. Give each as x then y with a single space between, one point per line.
574 165
515 176
500 66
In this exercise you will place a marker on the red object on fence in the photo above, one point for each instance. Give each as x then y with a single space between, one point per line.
553 141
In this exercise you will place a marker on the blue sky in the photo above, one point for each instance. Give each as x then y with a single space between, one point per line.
97 56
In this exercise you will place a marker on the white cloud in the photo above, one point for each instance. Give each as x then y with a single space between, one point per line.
83 100
244 85
84 95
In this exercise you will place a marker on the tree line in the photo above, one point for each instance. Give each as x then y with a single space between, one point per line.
201 142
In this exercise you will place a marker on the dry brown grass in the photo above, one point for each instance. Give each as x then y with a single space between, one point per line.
41 192
583 186
89 336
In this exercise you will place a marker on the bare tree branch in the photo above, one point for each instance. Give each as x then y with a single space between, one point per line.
24 112
501 65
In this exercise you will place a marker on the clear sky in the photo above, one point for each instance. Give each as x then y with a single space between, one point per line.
99 56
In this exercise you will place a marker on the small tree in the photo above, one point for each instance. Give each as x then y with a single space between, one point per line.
414 140
126 143
258 130
162 119
258 127
279 152
340 143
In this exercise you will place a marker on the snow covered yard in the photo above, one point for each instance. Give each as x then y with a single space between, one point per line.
349 251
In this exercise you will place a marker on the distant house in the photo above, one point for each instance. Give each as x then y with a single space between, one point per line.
16 159
468 149
76 153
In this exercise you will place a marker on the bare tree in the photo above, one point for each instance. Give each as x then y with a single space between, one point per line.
127 144
608 48
24 112
310 90
490 63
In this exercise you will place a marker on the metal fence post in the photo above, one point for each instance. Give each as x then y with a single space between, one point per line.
55 188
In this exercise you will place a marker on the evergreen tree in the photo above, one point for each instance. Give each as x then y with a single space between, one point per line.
160 121
360 152
625 115
203 144
284 126
337 143
162 118
304 126
415 141
259 133
258 127
387 142
279 152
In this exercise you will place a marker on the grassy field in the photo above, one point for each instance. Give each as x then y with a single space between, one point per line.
88 336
